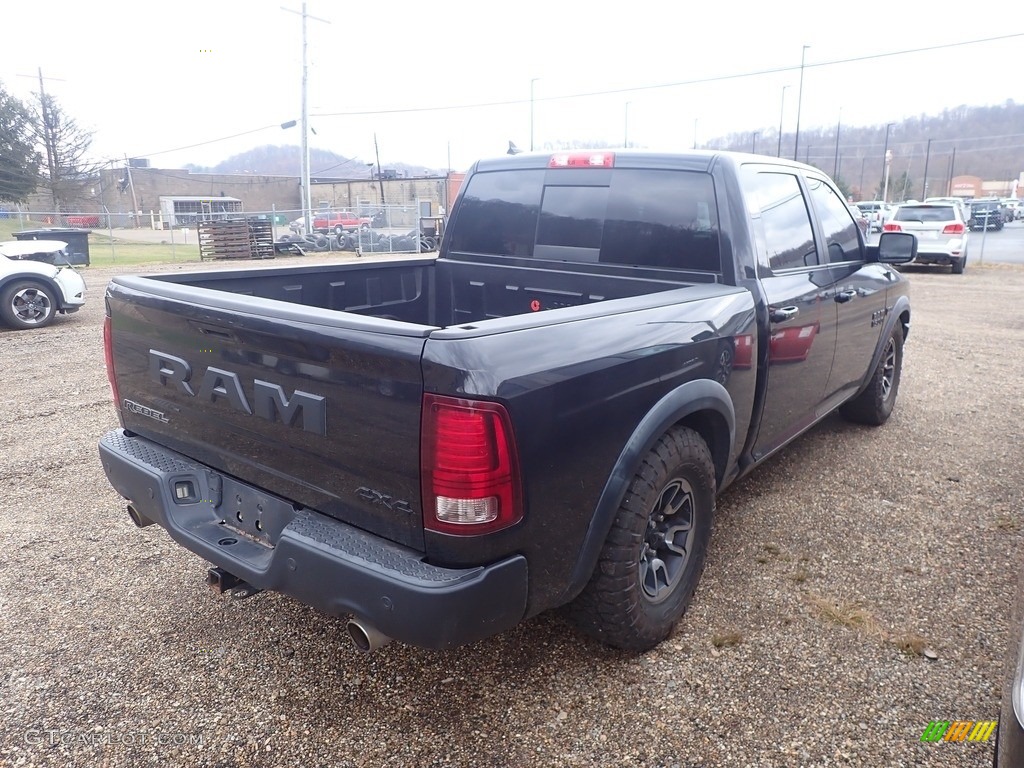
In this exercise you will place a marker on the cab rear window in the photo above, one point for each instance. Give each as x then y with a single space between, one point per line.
663 219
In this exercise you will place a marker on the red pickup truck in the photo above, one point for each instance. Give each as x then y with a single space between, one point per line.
340 221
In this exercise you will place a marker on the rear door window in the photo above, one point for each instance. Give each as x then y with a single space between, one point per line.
842 241
788 235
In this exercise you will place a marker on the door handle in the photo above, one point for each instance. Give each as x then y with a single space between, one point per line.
844 296
782 314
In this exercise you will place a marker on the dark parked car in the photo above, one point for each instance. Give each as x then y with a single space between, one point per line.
986 214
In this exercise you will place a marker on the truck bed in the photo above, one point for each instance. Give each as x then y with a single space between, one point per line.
436 293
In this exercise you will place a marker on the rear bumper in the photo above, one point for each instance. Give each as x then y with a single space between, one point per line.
936 258
322 562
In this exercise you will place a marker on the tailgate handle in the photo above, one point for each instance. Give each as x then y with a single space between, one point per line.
215 332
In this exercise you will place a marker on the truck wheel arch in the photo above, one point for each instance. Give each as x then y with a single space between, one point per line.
900 313
702 405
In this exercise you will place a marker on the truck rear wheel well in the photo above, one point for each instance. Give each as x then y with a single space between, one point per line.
714 430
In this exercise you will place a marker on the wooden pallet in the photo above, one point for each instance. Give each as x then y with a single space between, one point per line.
236 239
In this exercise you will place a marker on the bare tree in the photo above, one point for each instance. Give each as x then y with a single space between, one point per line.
68 172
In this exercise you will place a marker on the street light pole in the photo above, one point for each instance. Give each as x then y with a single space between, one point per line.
885 183
927 157
799 102
885 160
695 132
952 167
532 81
625 128
782 112
753 143
835 162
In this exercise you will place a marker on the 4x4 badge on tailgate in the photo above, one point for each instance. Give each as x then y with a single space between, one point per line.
144 410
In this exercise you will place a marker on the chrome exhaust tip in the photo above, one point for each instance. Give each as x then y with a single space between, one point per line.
138 518
365 637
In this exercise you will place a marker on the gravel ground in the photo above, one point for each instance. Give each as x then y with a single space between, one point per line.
826 566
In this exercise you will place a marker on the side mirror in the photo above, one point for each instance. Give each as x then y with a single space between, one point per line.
897 247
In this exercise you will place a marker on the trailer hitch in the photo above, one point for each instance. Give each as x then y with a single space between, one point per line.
221 581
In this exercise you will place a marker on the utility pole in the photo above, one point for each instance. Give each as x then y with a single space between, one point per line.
49 140
799 103
380 176
131 186
307 196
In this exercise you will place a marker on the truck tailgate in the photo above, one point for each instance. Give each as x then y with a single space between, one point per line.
319 407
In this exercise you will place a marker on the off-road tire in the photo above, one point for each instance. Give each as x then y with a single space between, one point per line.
626 603
874 405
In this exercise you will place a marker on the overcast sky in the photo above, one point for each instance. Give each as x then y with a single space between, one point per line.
152 78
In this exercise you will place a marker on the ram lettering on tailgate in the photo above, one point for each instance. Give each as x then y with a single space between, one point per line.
268 400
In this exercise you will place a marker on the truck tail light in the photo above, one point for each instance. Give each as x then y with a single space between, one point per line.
953 229
582 160
469 467
108 358
891 227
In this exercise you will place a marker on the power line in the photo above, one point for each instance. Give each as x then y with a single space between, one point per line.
205 143
696 81
588 94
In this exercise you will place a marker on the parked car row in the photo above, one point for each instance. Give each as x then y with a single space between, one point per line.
977 214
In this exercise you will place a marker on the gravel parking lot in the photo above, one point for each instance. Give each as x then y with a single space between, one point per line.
832 569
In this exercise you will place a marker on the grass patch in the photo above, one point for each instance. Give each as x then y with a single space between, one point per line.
1007 523
845 613
851 615
910 643
727 639
105 251
800 575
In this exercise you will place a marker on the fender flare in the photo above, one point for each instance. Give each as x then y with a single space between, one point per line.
685 400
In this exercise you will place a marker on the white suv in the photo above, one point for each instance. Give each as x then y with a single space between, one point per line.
941 232
33 291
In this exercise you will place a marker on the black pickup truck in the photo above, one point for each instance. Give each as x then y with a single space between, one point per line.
542 416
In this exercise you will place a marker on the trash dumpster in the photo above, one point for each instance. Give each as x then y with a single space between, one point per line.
77 240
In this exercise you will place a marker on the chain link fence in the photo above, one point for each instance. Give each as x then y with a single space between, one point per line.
171 235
